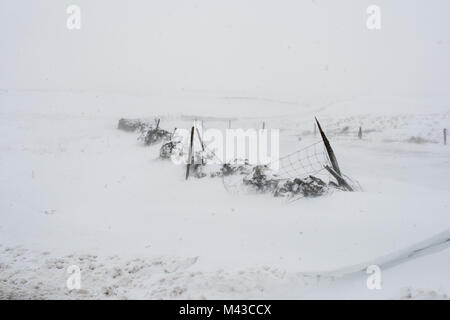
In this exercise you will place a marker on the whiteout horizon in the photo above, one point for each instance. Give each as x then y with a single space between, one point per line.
237 146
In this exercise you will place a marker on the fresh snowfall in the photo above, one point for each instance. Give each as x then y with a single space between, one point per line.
89 211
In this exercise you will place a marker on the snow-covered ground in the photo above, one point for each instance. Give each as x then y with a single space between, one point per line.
74 190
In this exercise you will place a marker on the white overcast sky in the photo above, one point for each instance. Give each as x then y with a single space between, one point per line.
251 47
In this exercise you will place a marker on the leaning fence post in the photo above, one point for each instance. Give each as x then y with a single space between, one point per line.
157 123
330 151
341 181
201 143
445 136
173 133
360 133
191 147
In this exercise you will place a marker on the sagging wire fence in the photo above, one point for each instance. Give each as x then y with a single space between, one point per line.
311 169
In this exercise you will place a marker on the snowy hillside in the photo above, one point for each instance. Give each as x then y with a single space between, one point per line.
98 98
77 191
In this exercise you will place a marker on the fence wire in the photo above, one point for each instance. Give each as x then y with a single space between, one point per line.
302 163
308 161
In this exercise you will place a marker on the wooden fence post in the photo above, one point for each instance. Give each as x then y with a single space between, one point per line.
201 143
445 136
191 147
330 151
360 133
173 133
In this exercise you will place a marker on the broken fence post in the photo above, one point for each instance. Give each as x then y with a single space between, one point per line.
334 171
341 181
330 151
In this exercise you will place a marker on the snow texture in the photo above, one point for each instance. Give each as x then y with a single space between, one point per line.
77 191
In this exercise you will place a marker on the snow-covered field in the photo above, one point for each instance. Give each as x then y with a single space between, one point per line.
74 190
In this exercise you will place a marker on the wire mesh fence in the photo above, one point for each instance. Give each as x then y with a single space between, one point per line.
310 160
301 164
